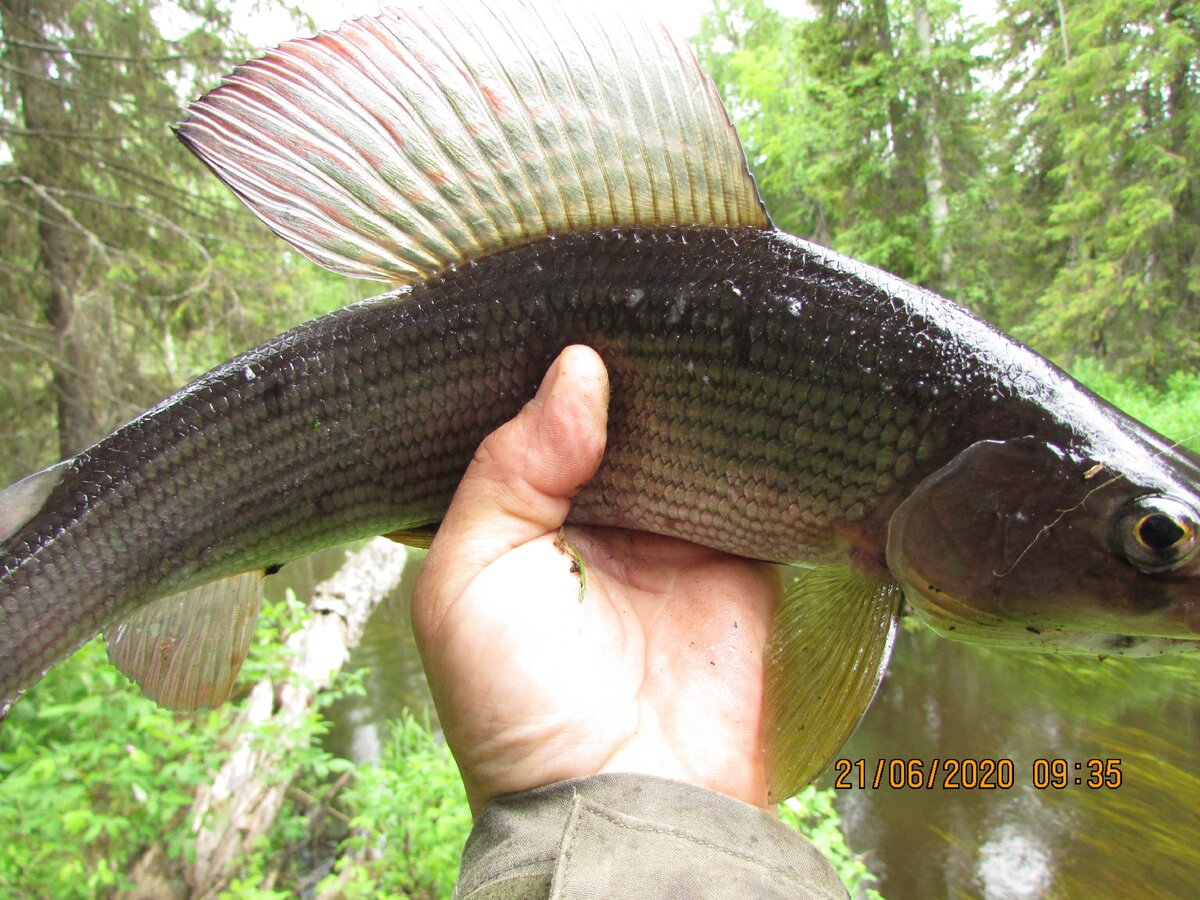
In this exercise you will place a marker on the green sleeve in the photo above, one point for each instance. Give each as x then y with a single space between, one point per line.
636 836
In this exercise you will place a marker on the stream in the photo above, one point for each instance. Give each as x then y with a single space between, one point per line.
1031 722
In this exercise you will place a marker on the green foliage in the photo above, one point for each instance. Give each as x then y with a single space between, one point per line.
127 267
1066 164
811 813
835 114
1069 162
410 822
92 774
96 775
1173 409
1100 121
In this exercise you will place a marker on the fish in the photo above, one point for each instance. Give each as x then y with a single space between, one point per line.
524 178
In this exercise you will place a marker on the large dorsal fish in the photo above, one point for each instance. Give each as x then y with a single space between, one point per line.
528 178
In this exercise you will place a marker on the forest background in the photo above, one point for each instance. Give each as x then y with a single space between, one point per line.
1041 168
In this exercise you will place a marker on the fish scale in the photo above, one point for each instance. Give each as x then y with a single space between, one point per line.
328 436
768 397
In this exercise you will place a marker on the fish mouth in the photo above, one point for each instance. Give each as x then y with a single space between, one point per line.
953 619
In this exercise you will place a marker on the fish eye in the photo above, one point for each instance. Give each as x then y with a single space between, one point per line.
1157 534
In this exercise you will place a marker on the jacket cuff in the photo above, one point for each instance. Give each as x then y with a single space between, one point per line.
623 834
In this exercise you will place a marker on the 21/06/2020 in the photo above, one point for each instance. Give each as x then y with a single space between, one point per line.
973 774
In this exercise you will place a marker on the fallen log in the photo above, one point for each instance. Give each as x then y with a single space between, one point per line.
237 808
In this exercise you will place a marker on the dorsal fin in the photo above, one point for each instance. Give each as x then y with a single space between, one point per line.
400 145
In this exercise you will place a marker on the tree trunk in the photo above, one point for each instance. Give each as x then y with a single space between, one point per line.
233 812
880 19
43 165
76 426
935 164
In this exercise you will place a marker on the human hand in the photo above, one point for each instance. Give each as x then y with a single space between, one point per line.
657 668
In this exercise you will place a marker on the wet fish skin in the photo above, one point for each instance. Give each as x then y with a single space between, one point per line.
770 398
535 176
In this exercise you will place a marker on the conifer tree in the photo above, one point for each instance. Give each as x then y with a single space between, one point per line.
1100 154
118 248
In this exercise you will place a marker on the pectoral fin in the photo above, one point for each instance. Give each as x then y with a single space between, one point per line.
22 501
830 643
420 537
184 651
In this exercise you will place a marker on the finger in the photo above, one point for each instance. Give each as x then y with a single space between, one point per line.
520 484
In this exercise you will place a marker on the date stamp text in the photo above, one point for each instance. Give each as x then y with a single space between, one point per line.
984 774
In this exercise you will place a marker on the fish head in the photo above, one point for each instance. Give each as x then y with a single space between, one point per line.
1023 544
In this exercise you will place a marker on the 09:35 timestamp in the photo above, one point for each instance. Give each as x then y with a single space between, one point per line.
974 774
1060 773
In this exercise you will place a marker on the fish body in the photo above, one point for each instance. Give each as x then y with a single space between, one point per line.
738 357
770 398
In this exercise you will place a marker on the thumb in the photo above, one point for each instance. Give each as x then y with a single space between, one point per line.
520 484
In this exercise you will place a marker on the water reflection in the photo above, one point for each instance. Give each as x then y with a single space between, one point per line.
947 701
1011 864
394 680
953 701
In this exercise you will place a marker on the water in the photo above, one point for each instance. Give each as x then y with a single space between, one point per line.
957 702
386 657
394 680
